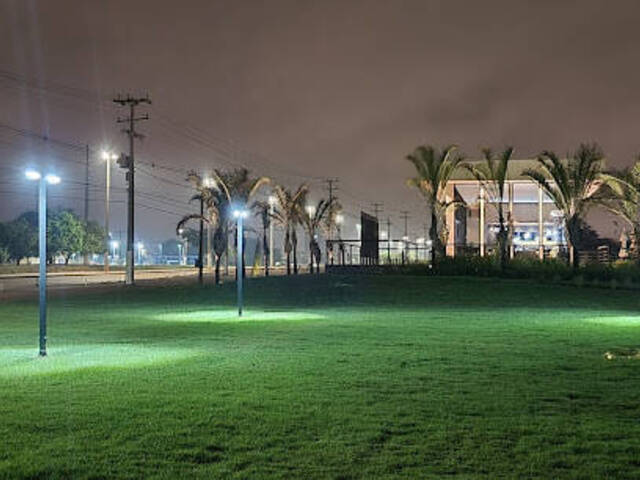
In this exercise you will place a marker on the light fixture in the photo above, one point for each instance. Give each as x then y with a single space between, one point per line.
240 213
52 179
32 175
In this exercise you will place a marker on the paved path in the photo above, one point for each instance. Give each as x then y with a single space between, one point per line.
25 285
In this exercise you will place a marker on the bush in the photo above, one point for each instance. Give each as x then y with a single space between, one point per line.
620 274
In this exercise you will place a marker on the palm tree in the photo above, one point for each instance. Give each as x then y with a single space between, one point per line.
262 208
312 217
287 215
235 187
492 175
330 225
574 186
434 170
622 197
209 212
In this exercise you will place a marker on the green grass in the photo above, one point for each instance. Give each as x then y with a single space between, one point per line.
325 377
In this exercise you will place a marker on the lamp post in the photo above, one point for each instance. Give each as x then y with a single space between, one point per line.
107 157
240 215
272 204
42 248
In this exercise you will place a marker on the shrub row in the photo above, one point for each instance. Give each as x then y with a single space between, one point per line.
619 274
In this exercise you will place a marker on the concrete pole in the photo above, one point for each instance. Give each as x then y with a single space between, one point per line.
239 272
42 244
107 198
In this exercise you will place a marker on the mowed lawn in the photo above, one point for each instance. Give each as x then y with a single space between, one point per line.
325 377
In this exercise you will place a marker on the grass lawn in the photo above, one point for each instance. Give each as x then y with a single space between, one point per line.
325 377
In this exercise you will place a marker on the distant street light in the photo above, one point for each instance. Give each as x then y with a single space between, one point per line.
114 246
240 215
42 248
140 248
107 157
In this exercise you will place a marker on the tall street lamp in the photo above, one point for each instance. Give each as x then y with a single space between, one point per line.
42 248
240 215
107 157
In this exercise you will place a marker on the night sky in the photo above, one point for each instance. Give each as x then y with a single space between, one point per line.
302 90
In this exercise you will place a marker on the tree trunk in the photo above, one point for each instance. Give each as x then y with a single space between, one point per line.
433 235
217 270
502 239
66 260
311 256
573 241
265 249
201 243
294 244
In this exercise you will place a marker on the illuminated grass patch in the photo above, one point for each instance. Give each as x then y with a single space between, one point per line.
225 316
25 361
616 321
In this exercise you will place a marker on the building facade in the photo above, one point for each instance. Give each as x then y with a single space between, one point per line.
535 225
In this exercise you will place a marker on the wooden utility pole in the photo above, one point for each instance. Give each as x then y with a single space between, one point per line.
127 162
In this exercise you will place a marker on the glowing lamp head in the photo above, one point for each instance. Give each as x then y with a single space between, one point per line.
114 244
339 219
311 209
32 175
272 200
52 179
140 245
240 213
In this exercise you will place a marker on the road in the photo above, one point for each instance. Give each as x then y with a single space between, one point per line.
25 285
14 286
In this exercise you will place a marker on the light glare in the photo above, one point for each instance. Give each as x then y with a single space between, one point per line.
33 175
52 179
